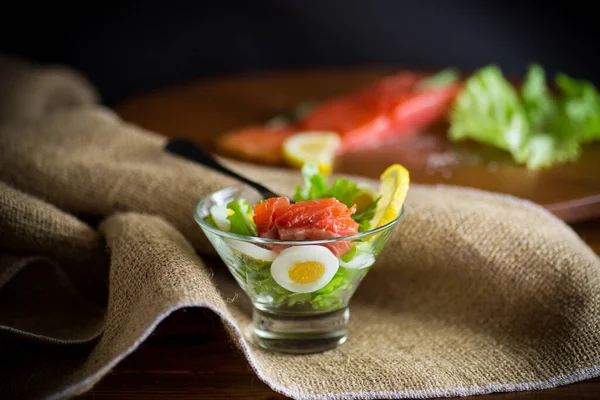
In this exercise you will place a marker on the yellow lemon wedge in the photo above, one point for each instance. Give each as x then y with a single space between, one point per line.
394 182
312 147
365 197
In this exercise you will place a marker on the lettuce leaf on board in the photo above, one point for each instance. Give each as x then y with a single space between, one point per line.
538 128
552 140
581 107
488 110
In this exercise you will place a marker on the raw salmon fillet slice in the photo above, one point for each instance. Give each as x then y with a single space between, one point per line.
276 218
378 113
255 143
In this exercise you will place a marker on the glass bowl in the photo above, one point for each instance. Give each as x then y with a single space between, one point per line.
299 289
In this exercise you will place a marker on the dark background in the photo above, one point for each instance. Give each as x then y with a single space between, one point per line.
129 47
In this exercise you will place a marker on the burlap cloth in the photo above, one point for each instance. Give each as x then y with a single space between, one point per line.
474 293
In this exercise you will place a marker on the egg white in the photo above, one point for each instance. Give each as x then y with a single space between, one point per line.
220 214
251 250
362 260
298 254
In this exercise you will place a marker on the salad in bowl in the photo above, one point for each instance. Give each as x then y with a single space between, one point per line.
301 259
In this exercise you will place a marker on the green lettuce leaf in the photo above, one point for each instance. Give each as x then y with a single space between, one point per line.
488 110
315 184
553 140
240 220
538 128
331 296
364 216
547 149
581 105
346 191
539 104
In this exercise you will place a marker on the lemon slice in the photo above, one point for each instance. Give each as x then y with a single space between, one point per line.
365 197
312 147
393 189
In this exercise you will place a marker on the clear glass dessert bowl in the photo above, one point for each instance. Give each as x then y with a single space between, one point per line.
300 289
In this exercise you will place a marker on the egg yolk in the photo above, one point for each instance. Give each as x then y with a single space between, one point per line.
306 272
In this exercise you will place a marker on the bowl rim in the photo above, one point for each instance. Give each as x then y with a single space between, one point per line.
256 239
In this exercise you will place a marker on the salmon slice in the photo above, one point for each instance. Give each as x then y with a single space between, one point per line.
378 113
266 215
368 117
255 143
276 218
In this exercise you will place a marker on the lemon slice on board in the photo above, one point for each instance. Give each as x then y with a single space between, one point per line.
393 189
312 147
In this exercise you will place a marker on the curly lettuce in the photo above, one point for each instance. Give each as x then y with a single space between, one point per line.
552 140
581 107
489 111
240 219
316 186
365 215
240 216
539 129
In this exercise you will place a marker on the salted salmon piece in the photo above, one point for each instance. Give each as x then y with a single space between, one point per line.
409 114
370 116
266 213
316 215
362 106
255 143
276 218
392 107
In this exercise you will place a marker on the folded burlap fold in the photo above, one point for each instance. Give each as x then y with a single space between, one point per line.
474 293
30 90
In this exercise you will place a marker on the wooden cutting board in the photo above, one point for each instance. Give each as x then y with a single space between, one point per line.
202 110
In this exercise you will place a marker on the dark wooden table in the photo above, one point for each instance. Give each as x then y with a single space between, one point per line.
189 356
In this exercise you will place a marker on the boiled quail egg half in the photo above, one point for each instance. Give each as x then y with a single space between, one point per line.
220 214
251 250
304 269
